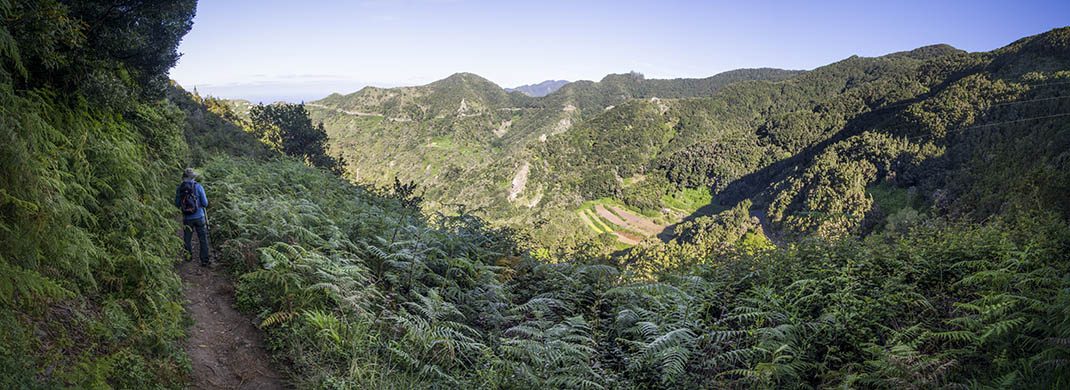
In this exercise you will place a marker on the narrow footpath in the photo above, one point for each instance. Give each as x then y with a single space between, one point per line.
224 345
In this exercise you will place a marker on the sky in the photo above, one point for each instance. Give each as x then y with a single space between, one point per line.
267 50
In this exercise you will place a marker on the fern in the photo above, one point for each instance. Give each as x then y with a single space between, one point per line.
18 284
278 318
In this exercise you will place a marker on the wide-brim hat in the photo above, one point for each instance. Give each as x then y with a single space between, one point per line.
189 173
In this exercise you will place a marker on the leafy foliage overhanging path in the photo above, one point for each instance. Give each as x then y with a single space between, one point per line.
224 345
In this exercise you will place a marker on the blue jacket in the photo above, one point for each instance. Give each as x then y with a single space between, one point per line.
202 200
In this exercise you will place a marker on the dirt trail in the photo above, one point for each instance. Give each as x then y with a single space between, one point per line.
224 345
357 113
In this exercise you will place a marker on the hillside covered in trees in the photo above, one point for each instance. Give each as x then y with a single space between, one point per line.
878 223
905 122
465 138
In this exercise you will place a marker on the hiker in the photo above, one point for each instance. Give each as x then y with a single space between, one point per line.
191 200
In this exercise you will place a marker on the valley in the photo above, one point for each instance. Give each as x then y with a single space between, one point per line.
494 159
518 160
877 222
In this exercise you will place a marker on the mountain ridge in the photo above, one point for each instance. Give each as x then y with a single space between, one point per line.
540 89
878 223
920 189
589 140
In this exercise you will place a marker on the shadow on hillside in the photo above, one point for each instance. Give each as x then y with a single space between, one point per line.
713 208
755 185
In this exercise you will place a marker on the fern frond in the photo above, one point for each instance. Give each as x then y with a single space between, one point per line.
278 318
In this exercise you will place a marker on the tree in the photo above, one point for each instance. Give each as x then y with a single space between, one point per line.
287 129
104 49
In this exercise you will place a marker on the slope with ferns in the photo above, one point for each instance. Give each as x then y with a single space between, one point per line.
920 195
88 296
358 288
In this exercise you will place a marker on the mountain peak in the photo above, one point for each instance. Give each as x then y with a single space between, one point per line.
541 89
1053 42
927 52
627 77
463 78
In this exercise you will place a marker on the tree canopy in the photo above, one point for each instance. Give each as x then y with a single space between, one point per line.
288 129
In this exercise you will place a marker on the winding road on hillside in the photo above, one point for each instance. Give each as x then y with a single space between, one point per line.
224 346
357 113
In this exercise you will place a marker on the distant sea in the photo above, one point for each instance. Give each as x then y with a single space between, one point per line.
288 98
289 92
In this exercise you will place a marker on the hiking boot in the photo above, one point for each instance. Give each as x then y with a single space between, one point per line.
204 263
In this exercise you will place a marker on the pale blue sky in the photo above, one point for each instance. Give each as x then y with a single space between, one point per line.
304 50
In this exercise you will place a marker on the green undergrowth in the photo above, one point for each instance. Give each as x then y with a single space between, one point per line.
687 200
964 286
898 207
88 297
352 287
356 290
88 157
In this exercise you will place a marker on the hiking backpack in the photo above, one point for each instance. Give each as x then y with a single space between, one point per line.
188 199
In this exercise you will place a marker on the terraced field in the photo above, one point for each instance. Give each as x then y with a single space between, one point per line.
606 216
631 221
600 225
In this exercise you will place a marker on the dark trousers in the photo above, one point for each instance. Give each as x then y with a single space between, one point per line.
202 237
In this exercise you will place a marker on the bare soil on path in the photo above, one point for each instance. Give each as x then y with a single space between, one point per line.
224 345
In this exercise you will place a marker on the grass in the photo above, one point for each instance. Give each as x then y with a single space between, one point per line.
688 200
443 142
632 235
891 198
617 228
649 213
610 202
590 223
448 144
683 202
602 223
613 210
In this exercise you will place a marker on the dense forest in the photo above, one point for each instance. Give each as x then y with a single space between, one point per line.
878 223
